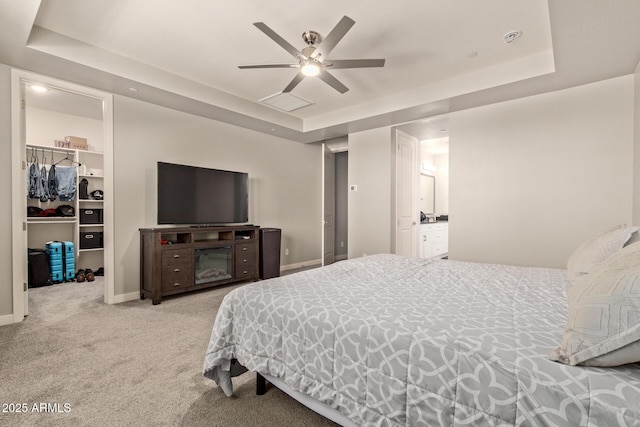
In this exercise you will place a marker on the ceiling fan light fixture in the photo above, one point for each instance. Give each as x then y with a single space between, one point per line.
310 68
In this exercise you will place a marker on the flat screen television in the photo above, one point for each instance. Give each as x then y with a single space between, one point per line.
201 196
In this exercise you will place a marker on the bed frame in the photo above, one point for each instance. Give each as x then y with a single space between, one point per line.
311 403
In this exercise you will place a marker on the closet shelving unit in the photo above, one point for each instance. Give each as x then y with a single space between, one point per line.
90 166
93 172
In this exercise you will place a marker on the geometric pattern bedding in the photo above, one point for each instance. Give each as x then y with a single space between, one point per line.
395 341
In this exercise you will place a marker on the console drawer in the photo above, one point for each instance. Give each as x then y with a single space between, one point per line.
245 260
176 269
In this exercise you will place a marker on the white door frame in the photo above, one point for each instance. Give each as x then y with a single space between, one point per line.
18 185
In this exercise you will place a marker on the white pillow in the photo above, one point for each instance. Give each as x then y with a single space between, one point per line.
597 249
603 325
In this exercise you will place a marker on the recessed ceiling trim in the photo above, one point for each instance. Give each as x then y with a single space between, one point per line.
69 49
523 68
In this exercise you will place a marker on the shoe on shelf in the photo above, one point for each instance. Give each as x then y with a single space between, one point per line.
99 272
90 276
80 276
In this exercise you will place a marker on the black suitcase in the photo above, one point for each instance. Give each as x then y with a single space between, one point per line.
38 268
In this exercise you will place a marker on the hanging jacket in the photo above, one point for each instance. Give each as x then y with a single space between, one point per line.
44 185
36 174
66 182
51 183
34 178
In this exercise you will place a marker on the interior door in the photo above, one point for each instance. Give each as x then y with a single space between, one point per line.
406 194
24 265
328 205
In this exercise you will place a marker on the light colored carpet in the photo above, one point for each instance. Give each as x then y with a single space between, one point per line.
130 364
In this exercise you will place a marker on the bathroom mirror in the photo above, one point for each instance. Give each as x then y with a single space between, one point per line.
427 193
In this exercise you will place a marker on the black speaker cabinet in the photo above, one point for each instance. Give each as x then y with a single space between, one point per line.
270 252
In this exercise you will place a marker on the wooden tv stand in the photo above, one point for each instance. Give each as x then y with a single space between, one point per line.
174 260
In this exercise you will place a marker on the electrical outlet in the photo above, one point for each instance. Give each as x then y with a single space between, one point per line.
342 244
286 251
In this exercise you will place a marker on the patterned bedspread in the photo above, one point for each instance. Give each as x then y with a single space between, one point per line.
395 341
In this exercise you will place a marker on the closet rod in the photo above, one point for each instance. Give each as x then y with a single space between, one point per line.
52 149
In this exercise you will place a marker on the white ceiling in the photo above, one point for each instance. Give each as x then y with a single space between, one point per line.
441 56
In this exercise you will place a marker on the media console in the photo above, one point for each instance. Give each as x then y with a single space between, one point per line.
174 260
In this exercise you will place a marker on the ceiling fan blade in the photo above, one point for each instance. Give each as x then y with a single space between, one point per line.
276 38
297 79
354 63
332 39
332 81
269 66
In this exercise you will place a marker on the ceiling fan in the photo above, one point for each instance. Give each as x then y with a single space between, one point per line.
312 60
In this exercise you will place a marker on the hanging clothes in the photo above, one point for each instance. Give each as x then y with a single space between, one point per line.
33 180
51 183
44 194
66 182
36 184
32 177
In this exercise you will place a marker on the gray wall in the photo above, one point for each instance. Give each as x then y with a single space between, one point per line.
531 179
370 207
284 178
6 292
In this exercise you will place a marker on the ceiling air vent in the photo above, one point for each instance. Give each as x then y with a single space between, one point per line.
285 101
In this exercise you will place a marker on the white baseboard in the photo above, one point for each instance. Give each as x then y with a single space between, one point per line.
132 296
7 319
310 263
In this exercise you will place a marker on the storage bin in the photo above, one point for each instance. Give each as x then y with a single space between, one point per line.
76 142
91 216
91 239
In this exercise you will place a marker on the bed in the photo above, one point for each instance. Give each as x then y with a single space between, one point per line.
388 340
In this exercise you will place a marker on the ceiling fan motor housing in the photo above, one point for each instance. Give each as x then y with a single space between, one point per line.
311 37
308 51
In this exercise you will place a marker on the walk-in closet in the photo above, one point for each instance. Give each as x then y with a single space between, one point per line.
64 169
64 151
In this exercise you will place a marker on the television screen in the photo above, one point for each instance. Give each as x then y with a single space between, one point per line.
196 195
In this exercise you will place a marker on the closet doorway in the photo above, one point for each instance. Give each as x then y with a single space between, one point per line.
335 164
45 112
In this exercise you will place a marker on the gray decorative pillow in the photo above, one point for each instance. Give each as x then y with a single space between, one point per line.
635 237
603 326
597 249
